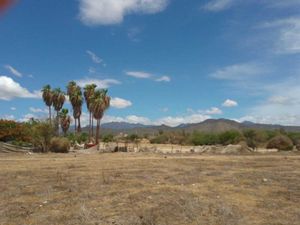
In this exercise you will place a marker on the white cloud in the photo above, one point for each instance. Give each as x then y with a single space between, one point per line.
145 75
13 108
286 35
139 74
230 103
8 117
281 106
107 12
10 89
96 59
218 5
169 120
38 110
214 111
239 71
100 83
13 70
175 121
163 78
120 103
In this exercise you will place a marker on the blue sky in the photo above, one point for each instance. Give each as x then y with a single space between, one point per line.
164 61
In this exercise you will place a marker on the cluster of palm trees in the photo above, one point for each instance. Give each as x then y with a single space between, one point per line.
97 102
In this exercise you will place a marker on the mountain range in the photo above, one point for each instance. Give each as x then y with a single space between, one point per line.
210 125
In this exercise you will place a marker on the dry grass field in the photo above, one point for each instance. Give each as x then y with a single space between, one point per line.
149 189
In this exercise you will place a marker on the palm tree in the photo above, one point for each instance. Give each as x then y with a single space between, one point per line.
71 87
65 120
58 102
47 97
88 93
100 103
77 101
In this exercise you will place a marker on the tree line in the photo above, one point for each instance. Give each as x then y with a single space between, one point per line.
97 102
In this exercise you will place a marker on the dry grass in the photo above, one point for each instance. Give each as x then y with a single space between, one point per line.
148 189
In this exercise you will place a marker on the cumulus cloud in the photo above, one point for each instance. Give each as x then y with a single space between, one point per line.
239 71
10 89
96 59
8 117
120 103
218 5
107 12
230 103
13 70
214 111
13 108
169 120
105 83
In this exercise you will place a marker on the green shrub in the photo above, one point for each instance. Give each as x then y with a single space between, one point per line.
60 145
41 133
230 137
280 142
79 138
198 138
108 138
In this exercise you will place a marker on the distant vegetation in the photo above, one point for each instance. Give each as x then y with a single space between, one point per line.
43 136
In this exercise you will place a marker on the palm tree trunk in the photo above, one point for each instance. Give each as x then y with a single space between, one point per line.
75 129
57 123
97 131
50 115
79 126
90 126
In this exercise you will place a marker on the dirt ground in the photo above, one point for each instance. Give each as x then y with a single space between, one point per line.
149 189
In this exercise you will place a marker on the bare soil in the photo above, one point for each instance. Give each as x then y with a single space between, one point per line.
149 189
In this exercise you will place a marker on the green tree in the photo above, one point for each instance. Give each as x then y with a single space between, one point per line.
58 102
65 120
48 98
88 93
100 103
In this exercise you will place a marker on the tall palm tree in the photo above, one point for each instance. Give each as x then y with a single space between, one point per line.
77 101
71 87
58 102
65 120
100 103
48 98
88 93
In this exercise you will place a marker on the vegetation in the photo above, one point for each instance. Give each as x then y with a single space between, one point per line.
65 120
60 145
89 91
100 102
42 133
280 142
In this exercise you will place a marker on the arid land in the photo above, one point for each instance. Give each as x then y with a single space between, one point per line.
149 189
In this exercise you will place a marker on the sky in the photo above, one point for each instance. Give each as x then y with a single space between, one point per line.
163 61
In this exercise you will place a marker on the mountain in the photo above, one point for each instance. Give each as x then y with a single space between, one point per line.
210 125
122 125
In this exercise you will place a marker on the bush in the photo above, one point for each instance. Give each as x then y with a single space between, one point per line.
230 137
60 145
108 138
198 138
280 142
42 132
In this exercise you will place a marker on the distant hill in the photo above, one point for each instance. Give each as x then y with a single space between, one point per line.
210 125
